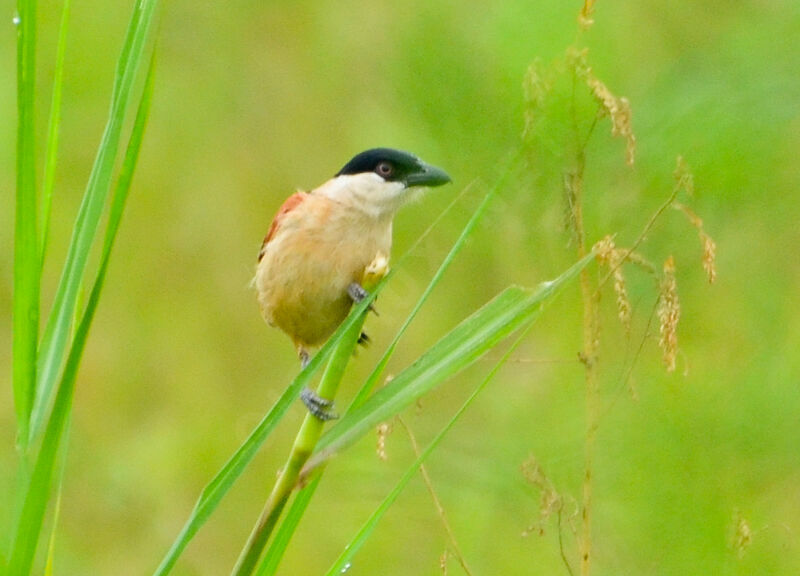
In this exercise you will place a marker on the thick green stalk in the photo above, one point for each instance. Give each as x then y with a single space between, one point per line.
304 444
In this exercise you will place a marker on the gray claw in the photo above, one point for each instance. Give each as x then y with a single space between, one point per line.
357 293
319 407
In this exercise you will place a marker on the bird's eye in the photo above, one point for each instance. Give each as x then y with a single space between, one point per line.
384 169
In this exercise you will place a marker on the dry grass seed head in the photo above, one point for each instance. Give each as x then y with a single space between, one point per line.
619 110
536 87
709 256
578 61
585 19
640 261
609 255
742 534
693 218
384 429
669 312
572 183
709 246
683 176
550 501
603 250
623 302
443 562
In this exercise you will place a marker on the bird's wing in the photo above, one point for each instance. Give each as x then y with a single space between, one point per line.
290 204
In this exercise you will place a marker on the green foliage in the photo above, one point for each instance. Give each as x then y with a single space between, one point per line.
38 486
256 100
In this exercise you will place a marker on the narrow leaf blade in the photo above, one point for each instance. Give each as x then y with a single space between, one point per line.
53 128
26 254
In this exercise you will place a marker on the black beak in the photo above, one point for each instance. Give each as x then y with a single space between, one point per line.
427 175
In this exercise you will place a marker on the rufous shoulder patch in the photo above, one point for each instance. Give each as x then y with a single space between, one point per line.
290 204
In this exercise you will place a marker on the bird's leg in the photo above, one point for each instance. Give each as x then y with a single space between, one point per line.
318 406
357 293
305 358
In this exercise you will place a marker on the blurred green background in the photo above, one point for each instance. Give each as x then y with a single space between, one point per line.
255 99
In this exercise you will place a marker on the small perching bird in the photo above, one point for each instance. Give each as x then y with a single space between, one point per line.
321 244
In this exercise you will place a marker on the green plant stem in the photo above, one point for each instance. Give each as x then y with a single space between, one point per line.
588 355
423 470
304 444
589 359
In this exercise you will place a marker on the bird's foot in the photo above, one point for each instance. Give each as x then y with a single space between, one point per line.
305 358
357 294
319 407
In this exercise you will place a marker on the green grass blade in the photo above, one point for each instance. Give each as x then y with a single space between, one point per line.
26 537
215 490
463 345
131 159
54 341
49 566
342 563
26 253
53 129
280 542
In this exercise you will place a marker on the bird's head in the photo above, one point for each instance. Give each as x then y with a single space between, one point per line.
380 180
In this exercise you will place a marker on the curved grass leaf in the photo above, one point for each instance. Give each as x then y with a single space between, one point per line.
26 537
56 333
344 560
26 253
466 343
53 129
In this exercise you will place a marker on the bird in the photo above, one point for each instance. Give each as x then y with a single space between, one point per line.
321 244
